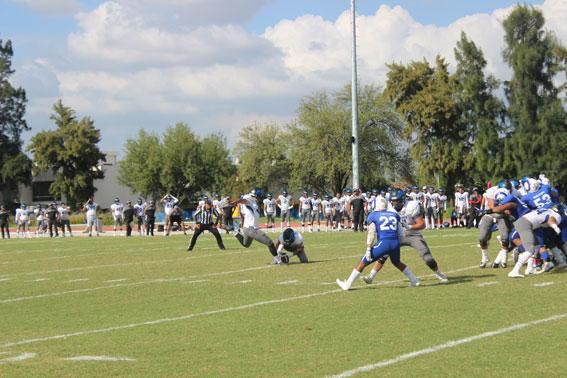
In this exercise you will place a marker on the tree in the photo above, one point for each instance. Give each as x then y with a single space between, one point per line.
141 167
262 157
481 113
536 114
16 166
217 163
424 98
180 163
71 153
181 168
320 141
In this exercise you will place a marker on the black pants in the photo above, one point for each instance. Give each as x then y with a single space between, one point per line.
204 227
358 220
4 226
52 223
140 223
228 222
150 224
128 222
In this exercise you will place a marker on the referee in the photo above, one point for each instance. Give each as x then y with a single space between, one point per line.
204 219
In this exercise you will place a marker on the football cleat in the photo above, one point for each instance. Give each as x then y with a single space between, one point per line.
442 277
504 265
415 283
513 274
547 266
483 263
343 285
366 279
495 265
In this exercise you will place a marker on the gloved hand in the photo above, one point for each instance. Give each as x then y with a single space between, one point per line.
489 211
368 254
406 226
556 229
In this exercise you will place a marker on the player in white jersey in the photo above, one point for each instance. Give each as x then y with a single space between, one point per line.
442 201
525 227
431 208
345 199
338 211
251 226
40 219
270 211
327 206
117 209
388 194
92 208
461 205
305 209
139 211
413 222
23 221
316 213
168 202
63 218
285 203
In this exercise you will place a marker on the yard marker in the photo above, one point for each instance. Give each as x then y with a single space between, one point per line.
97 358
447 345
544 284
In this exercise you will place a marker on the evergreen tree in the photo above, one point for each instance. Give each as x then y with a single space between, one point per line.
535 111
71 153
15 165
481 113
424 98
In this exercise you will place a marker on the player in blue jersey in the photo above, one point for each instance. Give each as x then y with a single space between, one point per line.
538 195
387 226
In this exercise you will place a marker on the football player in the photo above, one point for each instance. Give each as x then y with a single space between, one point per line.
316 213
140 207
23 221
306 209
291 241
117 210
442 201
270 211
461 204
412 220
386 225
168 202
251 228
285 204
63 218
327 205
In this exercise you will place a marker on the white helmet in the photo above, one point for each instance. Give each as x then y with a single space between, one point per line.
530 184
380 204
544 180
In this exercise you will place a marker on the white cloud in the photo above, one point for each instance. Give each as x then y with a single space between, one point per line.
52 7
123 62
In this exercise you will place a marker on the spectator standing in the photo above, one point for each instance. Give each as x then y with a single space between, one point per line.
129 214
357 210
150 213
5 222
52 214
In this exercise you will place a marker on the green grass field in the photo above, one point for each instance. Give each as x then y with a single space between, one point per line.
159 310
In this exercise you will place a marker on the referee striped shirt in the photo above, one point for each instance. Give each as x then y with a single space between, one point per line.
206 217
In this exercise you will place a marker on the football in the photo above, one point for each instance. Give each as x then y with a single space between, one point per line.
285 259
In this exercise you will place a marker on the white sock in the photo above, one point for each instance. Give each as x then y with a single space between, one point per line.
409 274
353 276
484 254
522 258
373 274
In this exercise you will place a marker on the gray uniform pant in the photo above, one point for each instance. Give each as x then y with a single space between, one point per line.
251 234
528 237
418 243
285 215
270 217
306 216
486 224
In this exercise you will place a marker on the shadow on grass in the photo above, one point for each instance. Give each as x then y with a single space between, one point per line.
453 280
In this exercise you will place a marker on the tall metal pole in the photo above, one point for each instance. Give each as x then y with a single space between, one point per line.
355 177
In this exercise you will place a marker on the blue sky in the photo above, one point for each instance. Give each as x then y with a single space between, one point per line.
220 65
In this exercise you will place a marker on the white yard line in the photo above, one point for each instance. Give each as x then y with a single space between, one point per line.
118 280
79 280
239 282
97 358
544 284
189 316
487 284
287 282
38 280
450 344
21 357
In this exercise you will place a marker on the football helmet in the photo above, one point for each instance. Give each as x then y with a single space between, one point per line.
288 236
530 184
380 204
397 199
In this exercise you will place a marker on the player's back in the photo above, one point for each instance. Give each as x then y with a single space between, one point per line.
540 199
386 224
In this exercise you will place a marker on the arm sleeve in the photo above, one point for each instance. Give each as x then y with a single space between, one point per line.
371 234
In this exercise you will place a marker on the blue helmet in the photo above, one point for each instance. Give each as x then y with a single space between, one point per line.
314 194
441 190
374 190
505 184
368 193
389 189
325 196
268 194
284 191
139 199
305 191
116 199
515 183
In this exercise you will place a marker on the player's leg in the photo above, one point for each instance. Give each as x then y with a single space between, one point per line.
485 228
418 243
